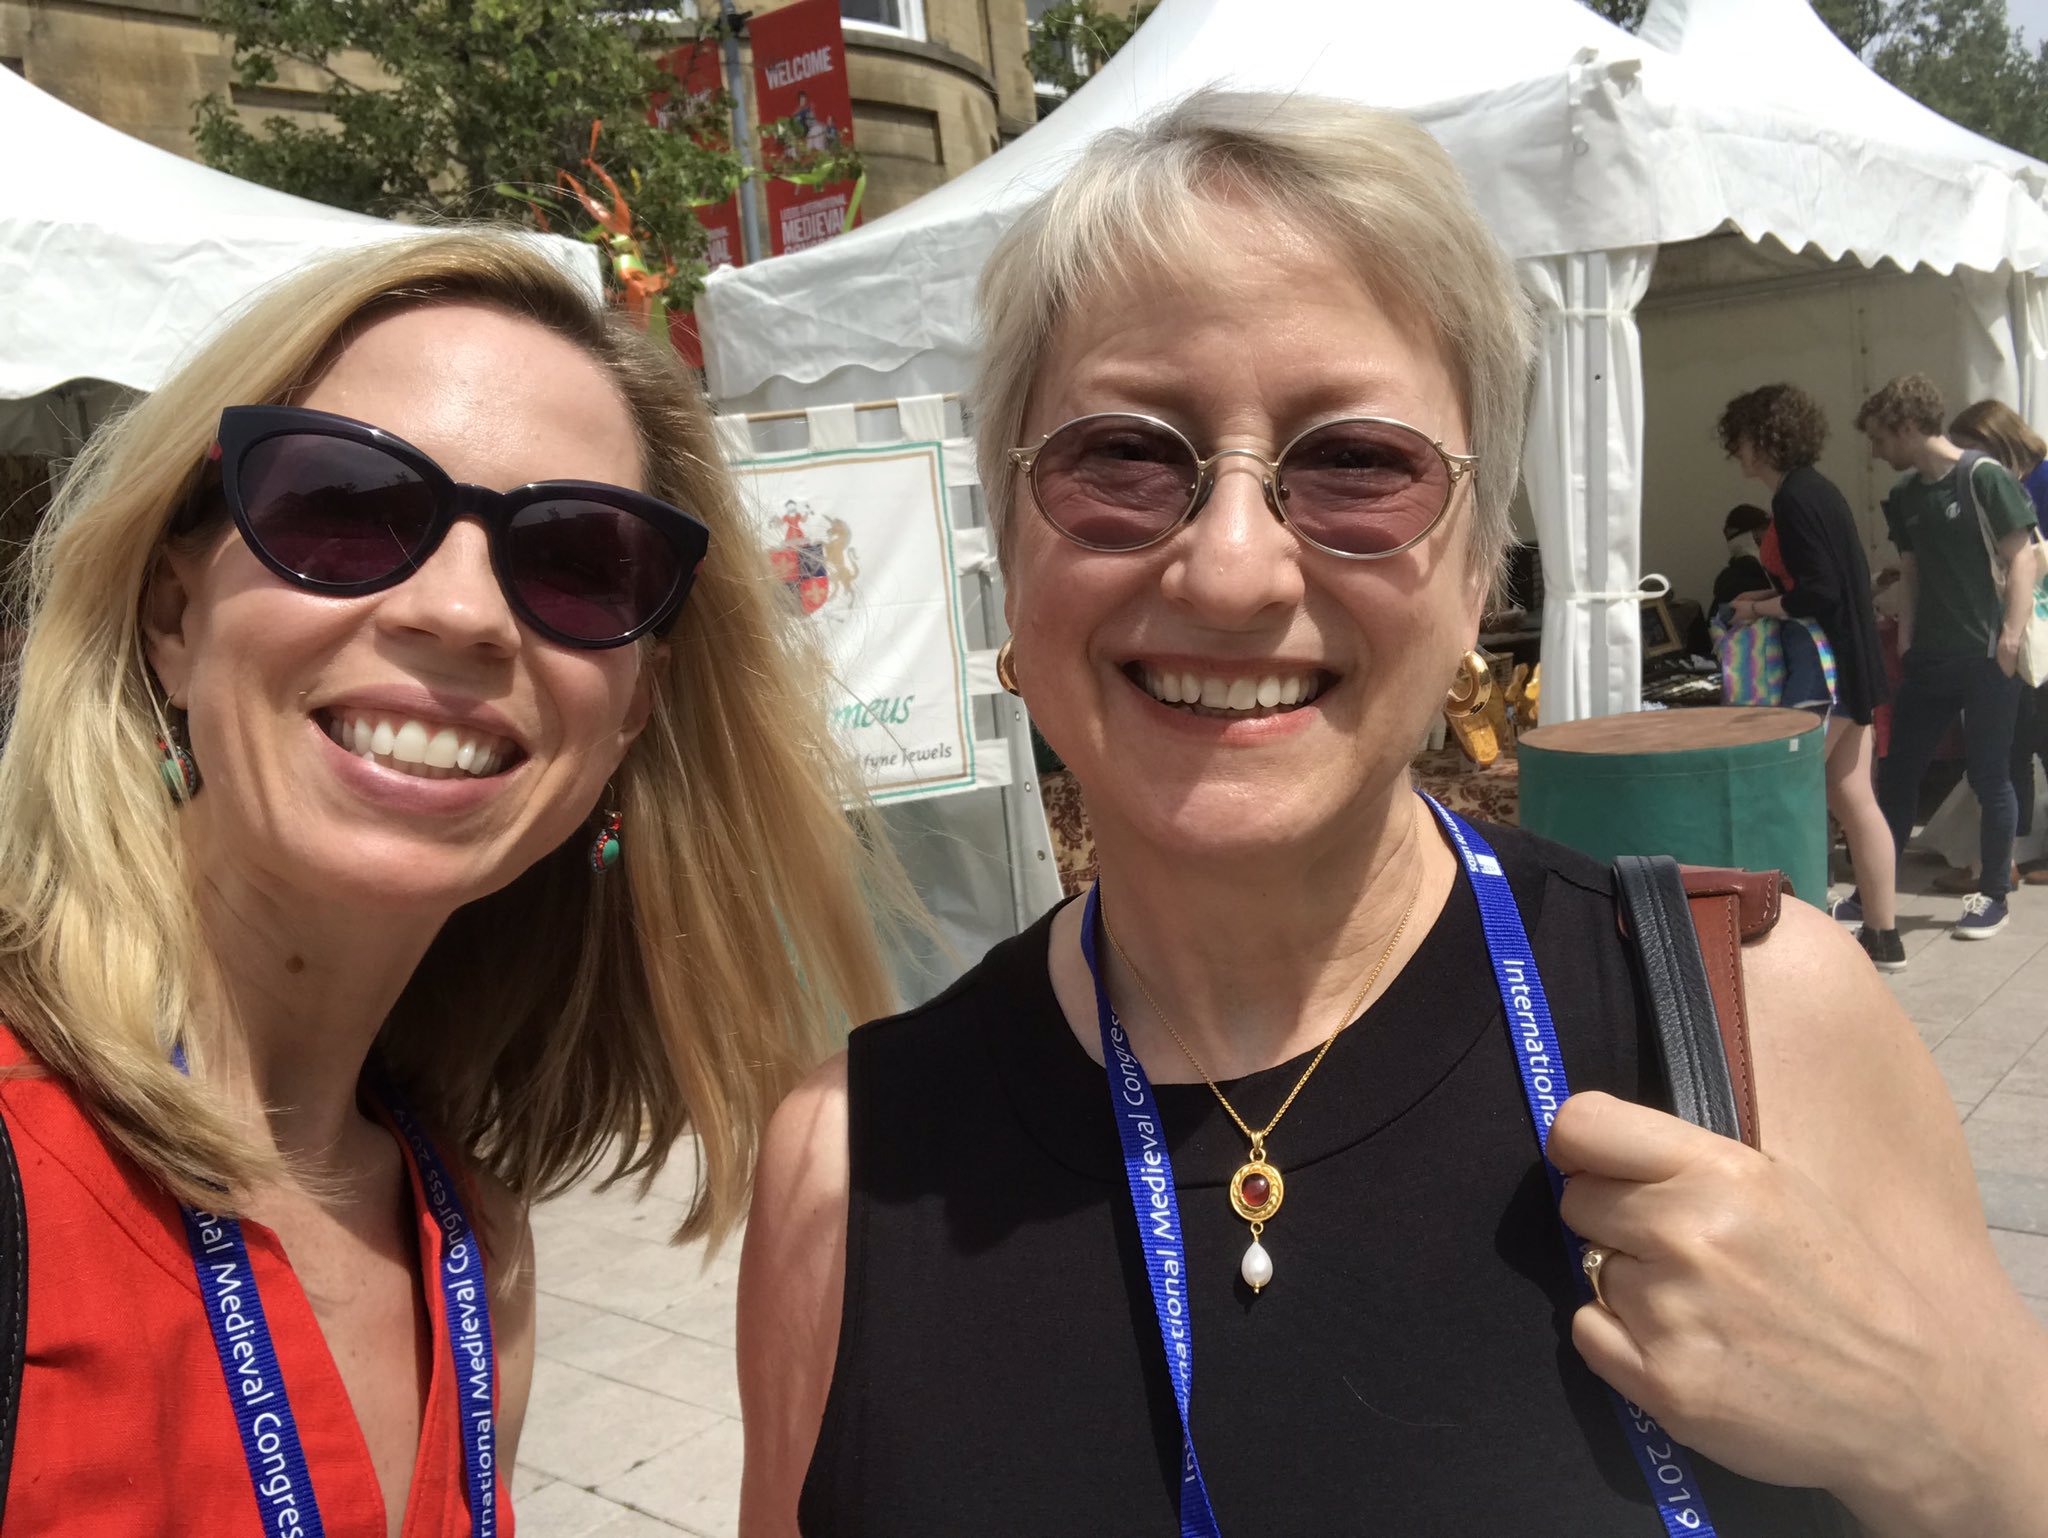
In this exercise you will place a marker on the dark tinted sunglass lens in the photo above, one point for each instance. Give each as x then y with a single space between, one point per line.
1114 482
333 510
1364 488
587 570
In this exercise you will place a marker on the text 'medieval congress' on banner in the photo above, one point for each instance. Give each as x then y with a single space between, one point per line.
862 541
800 75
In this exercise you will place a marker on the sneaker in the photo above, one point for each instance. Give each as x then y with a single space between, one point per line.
1887 952
1982 917
1847 910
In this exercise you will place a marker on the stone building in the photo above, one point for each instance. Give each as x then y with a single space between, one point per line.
937 84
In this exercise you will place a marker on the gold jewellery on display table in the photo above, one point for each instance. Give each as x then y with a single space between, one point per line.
1256 1188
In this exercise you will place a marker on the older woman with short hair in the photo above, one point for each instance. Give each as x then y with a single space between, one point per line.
1217 1202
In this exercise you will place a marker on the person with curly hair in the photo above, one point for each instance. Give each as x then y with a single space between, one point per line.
1959 636
1816 561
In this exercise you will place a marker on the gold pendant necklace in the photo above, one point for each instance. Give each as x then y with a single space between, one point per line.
1256 1188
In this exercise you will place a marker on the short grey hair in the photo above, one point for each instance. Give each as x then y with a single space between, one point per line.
1379 192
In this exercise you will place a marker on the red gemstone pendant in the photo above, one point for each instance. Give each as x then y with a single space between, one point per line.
1256 1190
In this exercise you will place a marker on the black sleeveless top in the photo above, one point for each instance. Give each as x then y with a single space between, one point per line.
1408 1371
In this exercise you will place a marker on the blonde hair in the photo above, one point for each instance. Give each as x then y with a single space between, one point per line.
1994 428
1379 193
549 1022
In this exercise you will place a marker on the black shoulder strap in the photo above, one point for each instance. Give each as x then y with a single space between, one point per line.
13 1303
1674 974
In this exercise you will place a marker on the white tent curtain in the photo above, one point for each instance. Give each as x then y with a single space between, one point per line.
1992 338
1584 473
2029 301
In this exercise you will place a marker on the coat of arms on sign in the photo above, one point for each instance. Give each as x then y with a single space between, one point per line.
815 558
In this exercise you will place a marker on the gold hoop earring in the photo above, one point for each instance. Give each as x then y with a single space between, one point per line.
1472 689
1006 669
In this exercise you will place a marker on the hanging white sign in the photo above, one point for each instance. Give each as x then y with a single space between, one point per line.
862 540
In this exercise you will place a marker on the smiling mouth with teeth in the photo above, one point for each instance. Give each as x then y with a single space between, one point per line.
1205 695
424 748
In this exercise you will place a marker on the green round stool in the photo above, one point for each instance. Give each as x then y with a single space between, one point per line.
1721 785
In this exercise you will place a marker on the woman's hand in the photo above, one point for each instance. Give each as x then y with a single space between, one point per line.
1743 1309
1751 1310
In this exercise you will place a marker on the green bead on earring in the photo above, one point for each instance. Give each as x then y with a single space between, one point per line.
607 847
174 763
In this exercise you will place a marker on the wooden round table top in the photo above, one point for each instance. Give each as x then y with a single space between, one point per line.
1673 731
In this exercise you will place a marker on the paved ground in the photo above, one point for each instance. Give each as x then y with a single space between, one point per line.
634 1428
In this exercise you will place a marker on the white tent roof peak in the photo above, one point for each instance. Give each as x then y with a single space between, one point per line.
1187 44
116 256
1574 136
1781 49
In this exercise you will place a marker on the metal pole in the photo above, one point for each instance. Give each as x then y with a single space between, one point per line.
730 23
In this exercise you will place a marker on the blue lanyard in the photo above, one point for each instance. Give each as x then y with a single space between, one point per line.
1667 1470
1149 1171
465 1299
248 1356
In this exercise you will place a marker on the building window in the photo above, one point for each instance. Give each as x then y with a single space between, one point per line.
902 17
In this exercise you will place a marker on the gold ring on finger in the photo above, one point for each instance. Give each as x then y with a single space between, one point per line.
1593 1262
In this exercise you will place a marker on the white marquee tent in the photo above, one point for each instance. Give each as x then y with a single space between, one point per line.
116 257
1587 148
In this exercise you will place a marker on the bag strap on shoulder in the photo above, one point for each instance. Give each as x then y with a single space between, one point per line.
1687 928
1966 499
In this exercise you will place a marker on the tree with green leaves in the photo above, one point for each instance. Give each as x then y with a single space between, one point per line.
1075 38
1960 57
475 108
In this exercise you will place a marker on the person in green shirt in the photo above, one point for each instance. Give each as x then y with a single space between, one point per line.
1960 623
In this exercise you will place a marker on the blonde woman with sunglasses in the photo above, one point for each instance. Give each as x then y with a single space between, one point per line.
414 802
1218 1201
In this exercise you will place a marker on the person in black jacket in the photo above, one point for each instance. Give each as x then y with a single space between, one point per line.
1775 434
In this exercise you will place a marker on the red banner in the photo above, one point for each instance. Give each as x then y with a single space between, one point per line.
800 79
698 77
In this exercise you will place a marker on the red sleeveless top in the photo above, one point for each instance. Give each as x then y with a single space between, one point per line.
126 1427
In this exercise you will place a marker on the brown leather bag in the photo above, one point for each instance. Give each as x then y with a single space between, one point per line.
1728 909
1731 909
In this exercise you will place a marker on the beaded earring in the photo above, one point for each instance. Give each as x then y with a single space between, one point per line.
607 847
176 766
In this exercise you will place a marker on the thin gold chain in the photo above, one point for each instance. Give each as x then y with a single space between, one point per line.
1258 1139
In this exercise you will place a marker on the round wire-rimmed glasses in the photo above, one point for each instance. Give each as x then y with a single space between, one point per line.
1361 488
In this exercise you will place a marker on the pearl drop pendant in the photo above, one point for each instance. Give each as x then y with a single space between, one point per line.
1257 1267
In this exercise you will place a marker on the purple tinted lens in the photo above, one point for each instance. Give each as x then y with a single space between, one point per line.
332 510
1364 488
587 570
1114 482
